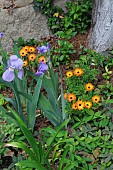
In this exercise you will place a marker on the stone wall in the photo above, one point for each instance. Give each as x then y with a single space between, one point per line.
18 19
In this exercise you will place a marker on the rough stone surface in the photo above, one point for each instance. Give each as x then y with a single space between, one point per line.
21 3
61 4
19 19
23 22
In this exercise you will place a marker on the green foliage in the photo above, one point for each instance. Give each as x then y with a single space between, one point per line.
21 42
37 154
76 19
9 132
61 54
1 99
52 103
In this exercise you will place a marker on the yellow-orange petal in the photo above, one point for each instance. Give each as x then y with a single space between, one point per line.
23 52
42 59
78 72
26 48
71 97
31 49
25 63
65 95
74 106
96 99
88 104
89 87
69 74
32 57
80 105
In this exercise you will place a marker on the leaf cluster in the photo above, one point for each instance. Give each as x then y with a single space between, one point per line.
76 18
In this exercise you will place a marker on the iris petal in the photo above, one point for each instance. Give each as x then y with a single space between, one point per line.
43 49
13 57
20 74
8 75
17 64
39 73
42 69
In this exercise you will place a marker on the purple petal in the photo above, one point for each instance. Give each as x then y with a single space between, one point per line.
39 73
8 75
13 57
48 47
17 63
43 49
2 34
20 74
43 67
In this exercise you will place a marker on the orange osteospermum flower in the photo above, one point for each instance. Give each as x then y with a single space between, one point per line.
96 99
88 104
89 87
23 52
25 63
74 106
69 74
71 97
78 72
31 49
65 95
32 57
26 48
42 58
80 104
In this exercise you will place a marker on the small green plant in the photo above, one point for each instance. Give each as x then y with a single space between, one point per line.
9 132
62 53
75 20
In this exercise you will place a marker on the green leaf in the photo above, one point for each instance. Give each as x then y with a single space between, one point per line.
27 96
27 133
53 137
16 50
109 101
23 146
63 158
31 112
31 164
87 118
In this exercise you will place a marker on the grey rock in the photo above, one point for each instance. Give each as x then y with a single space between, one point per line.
23 22
19 19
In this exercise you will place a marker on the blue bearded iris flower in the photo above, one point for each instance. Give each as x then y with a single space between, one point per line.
14 63
43 49
41 69
2 34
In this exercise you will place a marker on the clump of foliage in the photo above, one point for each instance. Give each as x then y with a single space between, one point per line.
61 54
76 19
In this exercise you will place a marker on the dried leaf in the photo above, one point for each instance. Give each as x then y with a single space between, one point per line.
9 153
92 158
96 152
